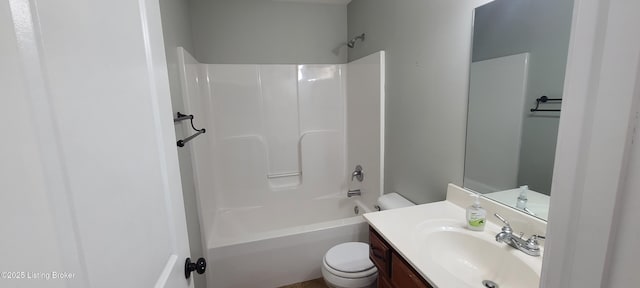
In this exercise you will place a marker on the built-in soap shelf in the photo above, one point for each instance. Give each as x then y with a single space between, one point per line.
282 175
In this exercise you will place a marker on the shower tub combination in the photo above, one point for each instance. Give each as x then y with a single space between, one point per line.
272 171
289 252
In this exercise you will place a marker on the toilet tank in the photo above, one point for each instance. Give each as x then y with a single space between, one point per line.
392 201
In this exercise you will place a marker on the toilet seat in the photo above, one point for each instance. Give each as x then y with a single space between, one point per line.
349 260
351 275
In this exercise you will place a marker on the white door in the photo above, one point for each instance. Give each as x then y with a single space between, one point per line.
90 191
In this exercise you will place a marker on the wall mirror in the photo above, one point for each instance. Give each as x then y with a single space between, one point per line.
515 90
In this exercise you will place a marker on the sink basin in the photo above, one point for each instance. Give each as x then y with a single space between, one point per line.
470 257
432 238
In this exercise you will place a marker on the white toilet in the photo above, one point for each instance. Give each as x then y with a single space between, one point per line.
347 265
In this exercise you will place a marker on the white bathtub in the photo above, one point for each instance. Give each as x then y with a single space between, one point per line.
275 246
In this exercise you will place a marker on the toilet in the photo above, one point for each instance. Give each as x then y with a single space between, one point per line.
347 265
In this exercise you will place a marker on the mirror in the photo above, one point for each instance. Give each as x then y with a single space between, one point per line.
516 79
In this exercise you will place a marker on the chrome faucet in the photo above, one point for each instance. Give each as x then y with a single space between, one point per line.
529 246
358 173
355 192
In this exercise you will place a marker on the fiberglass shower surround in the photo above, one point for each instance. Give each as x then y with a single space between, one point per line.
283 121
273 129
283 133
273 170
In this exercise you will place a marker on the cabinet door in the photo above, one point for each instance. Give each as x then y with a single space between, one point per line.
379 253
403 276
383 282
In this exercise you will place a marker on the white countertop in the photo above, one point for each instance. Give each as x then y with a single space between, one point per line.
401 228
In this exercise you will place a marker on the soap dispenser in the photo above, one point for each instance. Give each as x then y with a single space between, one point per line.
521 203
476 215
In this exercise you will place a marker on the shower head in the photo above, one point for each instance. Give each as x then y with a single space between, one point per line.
352 42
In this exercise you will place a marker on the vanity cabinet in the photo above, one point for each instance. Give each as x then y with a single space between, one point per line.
393 270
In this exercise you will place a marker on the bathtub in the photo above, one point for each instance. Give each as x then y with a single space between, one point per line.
280 244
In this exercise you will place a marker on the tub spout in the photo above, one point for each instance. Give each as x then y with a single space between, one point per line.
355 192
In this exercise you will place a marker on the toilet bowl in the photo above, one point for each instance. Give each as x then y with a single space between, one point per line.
347 265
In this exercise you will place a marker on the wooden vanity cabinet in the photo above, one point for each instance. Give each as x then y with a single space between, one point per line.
393 270
403 275
379 253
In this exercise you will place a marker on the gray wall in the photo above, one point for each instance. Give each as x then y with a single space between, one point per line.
542 28
268 32
176 28
428 44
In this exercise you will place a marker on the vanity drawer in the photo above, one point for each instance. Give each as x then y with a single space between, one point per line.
379 252
402 275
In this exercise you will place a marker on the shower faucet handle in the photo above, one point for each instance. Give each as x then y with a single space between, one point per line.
358 173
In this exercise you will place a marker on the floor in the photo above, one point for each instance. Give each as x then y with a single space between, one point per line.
316 283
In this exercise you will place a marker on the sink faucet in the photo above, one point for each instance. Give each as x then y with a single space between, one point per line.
355 192
529 246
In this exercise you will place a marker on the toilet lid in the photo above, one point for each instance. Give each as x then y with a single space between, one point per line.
349 257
